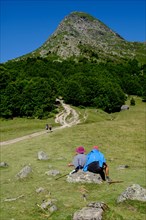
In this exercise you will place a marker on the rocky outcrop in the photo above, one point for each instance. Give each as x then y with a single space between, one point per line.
80 34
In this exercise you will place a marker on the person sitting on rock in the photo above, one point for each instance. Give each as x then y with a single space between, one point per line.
96 163
79 159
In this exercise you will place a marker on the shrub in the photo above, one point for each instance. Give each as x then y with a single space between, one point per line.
132 101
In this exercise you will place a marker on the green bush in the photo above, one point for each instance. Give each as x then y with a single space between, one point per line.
132 101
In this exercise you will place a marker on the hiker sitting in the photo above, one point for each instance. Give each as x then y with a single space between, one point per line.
47 126
78 160
96 163
50 128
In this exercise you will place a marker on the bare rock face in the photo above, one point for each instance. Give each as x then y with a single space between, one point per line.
92 211
133 192
84 177
80 33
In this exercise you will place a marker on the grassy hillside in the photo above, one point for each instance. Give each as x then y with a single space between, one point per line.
120 136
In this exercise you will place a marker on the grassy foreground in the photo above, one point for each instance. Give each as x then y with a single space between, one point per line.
120 136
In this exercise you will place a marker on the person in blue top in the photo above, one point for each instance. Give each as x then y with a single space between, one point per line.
96 163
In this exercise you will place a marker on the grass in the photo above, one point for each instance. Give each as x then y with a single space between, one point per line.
18 127
120 136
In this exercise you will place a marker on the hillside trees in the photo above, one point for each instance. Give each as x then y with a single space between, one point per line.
29 87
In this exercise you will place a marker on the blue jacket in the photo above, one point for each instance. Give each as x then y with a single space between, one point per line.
94 155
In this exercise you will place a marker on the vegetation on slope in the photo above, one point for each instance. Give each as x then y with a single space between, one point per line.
29 87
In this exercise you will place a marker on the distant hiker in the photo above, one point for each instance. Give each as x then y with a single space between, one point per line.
96 163
50 128
47 126
78 160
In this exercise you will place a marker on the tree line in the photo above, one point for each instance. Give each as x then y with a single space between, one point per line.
30 87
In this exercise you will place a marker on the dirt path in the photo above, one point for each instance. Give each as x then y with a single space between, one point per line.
67 118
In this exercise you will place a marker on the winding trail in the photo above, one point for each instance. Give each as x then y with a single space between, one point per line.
67 118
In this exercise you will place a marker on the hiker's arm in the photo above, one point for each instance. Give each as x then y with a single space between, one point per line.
70 164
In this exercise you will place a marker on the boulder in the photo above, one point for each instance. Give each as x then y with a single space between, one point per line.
3 164
93 210
24 172
84 177
133 192
42 156
125 107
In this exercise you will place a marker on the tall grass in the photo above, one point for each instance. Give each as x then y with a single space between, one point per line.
120 136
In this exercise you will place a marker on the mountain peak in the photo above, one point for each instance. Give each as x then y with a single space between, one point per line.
80 34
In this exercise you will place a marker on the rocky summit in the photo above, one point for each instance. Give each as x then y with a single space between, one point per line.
82 35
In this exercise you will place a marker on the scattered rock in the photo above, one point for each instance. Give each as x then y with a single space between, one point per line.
84 177
52 172
53 208
39 190
92 211
24 172
125 107
42 156
3 164
48 205
100 205
122 167
133 192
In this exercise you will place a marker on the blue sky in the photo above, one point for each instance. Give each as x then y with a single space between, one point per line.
27 24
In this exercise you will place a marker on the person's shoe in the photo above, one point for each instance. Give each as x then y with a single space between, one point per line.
108 179
72 172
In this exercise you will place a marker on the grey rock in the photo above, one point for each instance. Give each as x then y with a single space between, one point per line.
88 214
42 156
52 172
100 205
133 192
46 204
3 164
53 208
93 211
40 189
24 172
84 177
125 107
122 167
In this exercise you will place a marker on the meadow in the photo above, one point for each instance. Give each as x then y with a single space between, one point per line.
120 136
